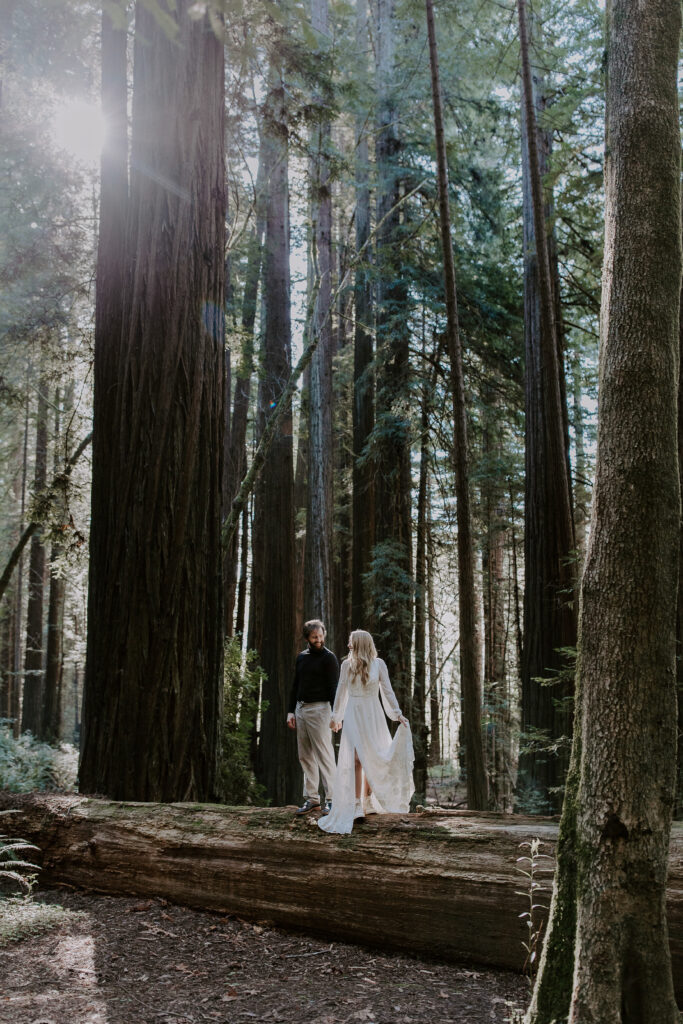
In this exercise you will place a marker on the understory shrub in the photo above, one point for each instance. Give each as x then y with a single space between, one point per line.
26 764
242 681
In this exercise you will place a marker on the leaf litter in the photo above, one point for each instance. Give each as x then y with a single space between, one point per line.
100 967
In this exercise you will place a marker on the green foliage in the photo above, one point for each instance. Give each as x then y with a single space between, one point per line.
14 871
27 764
242 683
20 916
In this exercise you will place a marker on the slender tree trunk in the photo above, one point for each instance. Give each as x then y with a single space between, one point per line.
55 617
392 581
244 573
477 787
33 661
343 462
151 715
237 450
320 503
606 955
435 749
20 483
363 377
549 570
273 592
419 723
678 808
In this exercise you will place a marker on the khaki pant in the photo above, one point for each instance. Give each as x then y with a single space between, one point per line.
314 742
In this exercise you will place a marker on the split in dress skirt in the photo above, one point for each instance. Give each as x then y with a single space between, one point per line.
387 762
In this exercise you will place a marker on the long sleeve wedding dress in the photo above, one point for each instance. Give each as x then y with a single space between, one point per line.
387 762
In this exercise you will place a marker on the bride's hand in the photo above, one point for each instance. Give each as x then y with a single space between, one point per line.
335 726
403 720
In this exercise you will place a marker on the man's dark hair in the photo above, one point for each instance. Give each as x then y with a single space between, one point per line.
314 624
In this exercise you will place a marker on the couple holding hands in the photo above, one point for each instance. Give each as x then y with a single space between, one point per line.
374 773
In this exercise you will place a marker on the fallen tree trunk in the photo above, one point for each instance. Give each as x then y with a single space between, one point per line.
442 884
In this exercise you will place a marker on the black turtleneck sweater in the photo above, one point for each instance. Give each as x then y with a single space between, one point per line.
315 677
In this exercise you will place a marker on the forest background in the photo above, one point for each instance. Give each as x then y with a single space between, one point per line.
333 250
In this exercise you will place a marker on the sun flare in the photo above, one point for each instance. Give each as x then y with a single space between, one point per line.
79 128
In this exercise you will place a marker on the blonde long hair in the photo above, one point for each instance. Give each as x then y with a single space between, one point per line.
361 655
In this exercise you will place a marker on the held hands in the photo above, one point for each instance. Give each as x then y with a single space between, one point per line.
291 721
335 726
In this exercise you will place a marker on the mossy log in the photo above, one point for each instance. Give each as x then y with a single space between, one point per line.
443 884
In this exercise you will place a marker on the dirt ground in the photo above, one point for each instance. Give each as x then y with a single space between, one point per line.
117 960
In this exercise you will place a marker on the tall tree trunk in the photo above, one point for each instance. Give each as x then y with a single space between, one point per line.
273 591
244 573
549 570
392 582
343 462
363 377
418 722
606 954
678 808
19 487
477 785
153 686
33 662
237 449
55 615
320 503
496 696
435 749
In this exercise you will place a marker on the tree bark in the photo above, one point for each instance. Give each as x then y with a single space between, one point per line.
607 956
549 569
16 558
419 723
31 709
342 432
678 807
320 503
477 783
272 591
435 748
151 712
55 616
392 580
363 377
496 697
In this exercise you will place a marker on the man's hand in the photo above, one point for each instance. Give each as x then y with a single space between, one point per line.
335 726
291 720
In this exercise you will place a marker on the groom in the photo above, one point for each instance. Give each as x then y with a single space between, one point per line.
315 681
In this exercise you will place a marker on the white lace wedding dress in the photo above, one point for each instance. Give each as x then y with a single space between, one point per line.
387 762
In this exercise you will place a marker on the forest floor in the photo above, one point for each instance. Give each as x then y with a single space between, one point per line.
119 960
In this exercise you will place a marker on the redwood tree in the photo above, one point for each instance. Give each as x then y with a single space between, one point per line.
154 659
471 683
34 660
392 583
363 379
272 621
607 956
320 503
549 571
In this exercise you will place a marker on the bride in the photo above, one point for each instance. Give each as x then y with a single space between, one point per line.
366 746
